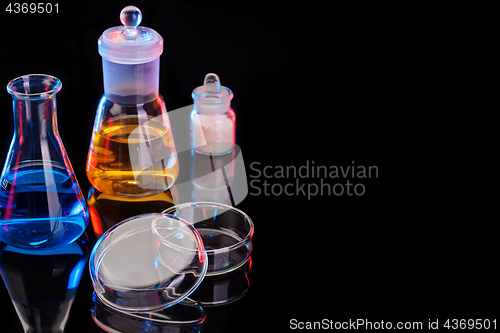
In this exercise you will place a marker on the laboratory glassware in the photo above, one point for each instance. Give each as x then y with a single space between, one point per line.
132 152
41 204
226 232
212 119
147 263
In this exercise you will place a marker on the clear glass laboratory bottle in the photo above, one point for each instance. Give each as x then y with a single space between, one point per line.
132 152
212 119
41 204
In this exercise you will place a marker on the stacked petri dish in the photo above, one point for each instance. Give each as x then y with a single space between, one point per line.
146 266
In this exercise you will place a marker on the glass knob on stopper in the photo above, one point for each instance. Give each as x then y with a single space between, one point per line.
211 85
131 17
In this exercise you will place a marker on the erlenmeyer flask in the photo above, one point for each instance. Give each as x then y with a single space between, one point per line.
41 204
132 152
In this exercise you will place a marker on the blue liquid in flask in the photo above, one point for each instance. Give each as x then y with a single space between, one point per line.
41 207
41 204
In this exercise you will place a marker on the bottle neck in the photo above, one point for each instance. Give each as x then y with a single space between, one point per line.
131 84
212 109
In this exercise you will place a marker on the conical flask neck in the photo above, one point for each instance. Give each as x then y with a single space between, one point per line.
36 136
34 103
37 117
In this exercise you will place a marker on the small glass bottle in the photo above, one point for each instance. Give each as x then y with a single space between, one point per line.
132 152
41 204
212 119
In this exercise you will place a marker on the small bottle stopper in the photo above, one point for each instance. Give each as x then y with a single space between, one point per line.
211 85
131 17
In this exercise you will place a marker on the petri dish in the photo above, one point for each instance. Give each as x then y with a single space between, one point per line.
226 233
147 263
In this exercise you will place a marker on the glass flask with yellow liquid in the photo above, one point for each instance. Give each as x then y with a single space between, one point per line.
132 152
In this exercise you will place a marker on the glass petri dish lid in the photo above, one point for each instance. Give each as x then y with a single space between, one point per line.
147 263
226 233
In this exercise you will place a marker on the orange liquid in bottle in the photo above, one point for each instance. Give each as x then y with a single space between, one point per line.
131 160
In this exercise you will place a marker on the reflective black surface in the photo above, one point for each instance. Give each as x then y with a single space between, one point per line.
42 284
331 85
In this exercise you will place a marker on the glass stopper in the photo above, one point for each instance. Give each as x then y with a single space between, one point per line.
211 85
131 17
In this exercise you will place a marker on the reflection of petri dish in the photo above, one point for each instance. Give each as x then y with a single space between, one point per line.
184 317
226 288
146 263
226 233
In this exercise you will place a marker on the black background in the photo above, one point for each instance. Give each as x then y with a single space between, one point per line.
311 82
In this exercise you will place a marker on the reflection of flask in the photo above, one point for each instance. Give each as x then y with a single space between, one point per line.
42 284
132 152
106 210
41 204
